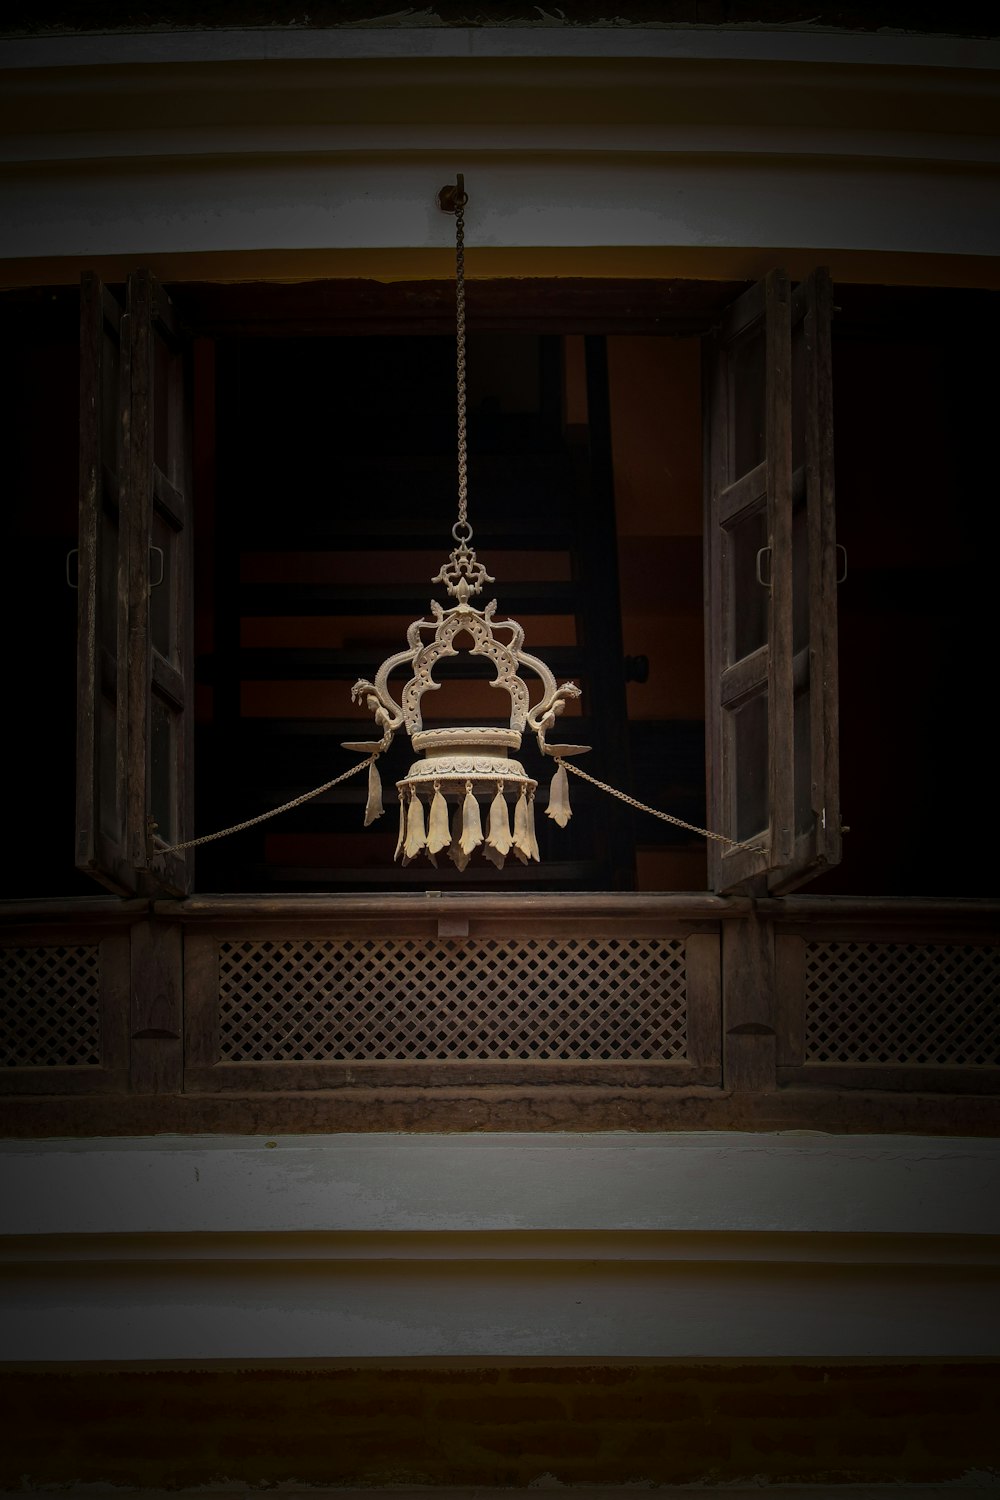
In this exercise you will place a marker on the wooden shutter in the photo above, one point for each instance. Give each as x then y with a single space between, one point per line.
134 752
102 603
770 588
160 590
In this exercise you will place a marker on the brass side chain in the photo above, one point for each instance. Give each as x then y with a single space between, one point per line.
207 838
603 786
705 833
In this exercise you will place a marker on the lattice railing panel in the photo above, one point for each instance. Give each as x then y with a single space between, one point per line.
400 999
51 1010
902 1003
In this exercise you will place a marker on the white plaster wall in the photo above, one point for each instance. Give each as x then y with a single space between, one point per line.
252 141
169 207
704 1182
610 1246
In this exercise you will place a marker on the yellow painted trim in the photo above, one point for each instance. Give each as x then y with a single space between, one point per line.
619 263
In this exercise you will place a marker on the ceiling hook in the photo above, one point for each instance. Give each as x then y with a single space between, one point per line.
453 196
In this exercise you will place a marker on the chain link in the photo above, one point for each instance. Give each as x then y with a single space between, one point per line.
463 470
208 838
612 791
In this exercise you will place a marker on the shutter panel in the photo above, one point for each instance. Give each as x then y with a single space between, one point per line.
102 622
159 590
770 586
135 607
816 841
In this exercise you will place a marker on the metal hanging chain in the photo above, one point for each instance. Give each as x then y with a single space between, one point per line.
705 833
207 838
453 200
461 200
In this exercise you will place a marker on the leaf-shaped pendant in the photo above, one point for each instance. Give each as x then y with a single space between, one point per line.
374 808
456 853
438 831
472 823
402 828
532 839
499 836
522 835
416 837
559 809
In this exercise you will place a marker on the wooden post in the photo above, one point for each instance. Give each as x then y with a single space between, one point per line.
748 1005
704 960
156 1058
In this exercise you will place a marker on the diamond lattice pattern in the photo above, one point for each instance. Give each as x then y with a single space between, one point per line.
898 1003
596 999
51 1013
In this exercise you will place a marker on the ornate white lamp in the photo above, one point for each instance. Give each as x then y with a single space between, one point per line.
466 792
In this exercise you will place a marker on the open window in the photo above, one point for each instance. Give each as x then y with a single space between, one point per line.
771 579
368 471
135 607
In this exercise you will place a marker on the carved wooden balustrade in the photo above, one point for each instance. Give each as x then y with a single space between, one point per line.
514 1011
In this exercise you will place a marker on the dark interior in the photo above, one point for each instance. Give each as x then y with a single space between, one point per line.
325 496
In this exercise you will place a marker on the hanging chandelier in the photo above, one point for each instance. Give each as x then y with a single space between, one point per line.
466 792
